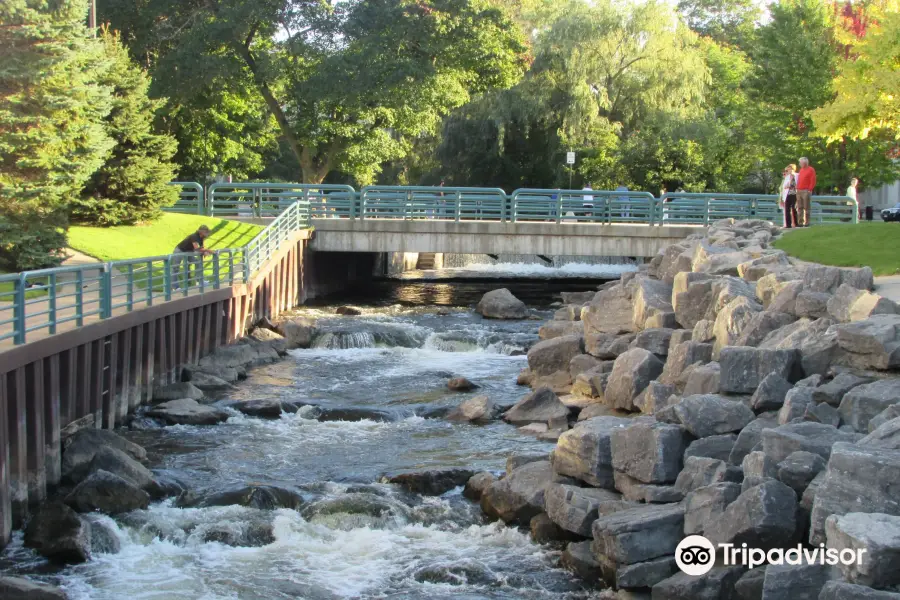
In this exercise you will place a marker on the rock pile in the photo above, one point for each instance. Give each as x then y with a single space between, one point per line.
724 390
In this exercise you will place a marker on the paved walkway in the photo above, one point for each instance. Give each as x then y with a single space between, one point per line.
888 286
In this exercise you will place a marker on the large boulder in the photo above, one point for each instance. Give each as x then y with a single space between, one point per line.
873 343
750 436
717 584
833 391
731 321
260 497
808 436
609 312
501 304
297 332
575 509
760 325
555 329
81 447
796 403
476 485
119 463
762 517
876 540
476 410
704 505
432 482
519 496
638 534
607 346
709 414
820 278
852 304
725 290
743 367
108 494
863 402
714 446
811 305
771 393
651 493
799 469
632 372
652 303
550 356
654 340
650 452
795 582
58 533
692 296
700 472
540 406
700 379
174 391
585 451
656 397
188 412
17 588
681 357
857 479
238 356
815 342
886 435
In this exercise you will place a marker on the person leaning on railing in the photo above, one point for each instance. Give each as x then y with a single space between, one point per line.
192 245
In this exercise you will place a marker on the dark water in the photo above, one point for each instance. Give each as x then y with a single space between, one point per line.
355 537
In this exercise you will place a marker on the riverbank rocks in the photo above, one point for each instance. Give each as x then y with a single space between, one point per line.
108 493
609 312
636 535
765 516
175 391
80 448
780 442
540 406
857 479
878 535
461 384
58 533
795 582
519 496
709 414
16 588
631 374
347 311
821 278
840 590
501 304
585 453
555 329
261 497
852 304
187 412
432 482
479 409
873 343
554 355
743 368
718 583
650 452
578 559
297 332
703 505
864 402
574 509
269 408
770 393
476 485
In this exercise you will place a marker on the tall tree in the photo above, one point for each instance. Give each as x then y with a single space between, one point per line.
347 84
133 184
725 21
52 137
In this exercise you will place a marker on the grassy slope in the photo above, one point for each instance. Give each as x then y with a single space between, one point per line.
874 244
158 238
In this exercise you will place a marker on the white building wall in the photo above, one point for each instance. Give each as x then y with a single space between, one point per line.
883 197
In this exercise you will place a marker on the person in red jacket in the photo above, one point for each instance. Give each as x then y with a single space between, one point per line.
806 182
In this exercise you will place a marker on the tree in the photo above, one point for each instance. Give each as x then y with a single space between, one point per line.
725 21
133 183
348 85
867 86
52 138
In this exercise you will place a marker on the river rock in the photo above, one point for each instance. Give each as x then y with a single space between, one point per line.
681 357
208 382
606 346
352 311
519 496
476 485
841 590
691 296
634 490
700 379
770 393
584 452
583 363
554 355
760 325
118 463
574 508
655 341
609 312
888 414
501 304
726 290
679 336
852 304
58 533
704 505
297 332
261 497
514 461
477 409
656 397
545 531
820 278
878 535
710 414
175 391
269 408
750 585
81 447
569 312
461 384
795 582
815 342
731 321
823 413
651 452
631 374
873 343
762 517
811 305
248 534
795 404
799 469
103 536
701 471
886 435
16 588
717 584
237 356
433 482
857 479
351 414
554 329
577 558
818 438
652 303
714 446
638 534
750 436
864 402
187 412
592 384
540 406
107 493
743 368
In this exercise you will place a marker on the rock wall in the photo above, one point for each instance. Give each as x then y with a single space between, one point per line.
724 390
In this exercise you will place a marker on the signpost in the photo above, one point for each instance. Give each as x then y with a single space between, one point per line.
570 160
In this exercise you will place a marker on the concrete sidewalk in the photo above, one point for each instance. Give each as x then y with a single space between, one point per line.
888 286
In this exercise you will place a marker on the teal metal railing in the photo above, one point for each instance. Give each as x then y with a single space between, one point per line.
266 200
191 198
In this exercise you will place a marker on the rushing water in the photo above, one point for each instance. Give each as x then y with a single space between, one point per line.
353 537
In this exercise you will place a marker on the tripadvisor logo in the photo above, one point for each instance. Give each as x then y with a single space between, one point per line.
696 555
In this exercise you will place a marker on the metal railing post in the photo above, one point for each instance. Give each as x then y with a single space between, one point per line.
79 298
149 283
167 277
129 288
216 274
19 316
51 312
106 291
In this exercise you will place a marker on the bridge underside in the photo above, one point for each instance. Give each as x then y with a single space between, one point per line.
468 237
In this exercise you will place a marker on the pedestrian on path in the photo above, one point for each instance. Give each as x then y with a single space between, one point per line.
806 183
192 245
851 193
789 196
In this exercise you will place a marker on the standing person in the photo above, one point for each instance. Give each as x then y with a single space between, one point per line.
190 245
588 200
851 193
806 183
789 196
623 201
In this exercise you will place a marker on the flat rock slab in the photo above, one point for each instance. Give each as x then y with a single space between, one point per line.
877 536
585 451
638 534
187 412
431 482
650 452
709 414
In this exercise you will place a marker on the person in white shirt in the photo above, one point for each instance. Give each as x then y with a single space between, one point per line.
851 192
789 196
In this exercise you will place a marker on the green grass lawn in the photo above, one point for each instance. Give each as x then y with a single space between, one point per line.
7 287
157 238
876 245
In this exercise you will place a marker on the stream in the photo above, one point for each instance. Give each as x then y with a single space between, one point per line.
353 537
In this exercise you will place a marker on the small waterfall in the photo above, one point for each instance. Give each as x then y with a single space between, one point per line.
456 261
344 340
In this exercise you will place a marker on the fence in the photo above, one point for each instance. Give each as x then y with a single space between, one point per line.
266 200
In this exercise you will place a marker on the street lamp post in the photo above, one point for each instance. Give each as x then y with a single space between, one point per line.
92 17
